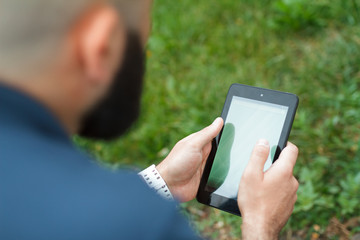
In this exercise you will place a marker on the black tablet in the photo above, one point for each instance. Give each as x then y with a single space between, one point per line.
249 114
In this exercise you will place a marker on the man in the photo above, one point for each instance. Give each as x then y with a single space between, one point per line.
60 75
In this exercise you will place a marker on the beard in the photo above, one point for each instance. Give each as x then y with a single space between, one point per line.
120 108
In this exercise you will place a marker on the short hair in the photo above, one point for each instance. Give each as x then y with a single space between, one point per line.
31 28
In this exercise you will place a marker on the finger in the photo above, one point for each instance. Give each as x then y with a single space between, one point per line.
260 153
288 157
206 135
206 152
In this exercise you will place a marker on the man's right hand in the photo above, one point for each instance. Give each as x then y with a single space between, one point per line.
266 199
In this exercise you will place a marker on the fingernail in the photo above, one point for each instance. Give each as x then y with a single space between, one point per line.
263 142
216 121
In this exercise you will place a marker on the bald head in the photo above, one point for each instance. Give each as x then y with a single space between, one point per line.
31 31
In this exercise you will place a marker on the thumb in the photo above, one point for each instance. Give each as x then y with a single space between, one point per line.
206 135
260 153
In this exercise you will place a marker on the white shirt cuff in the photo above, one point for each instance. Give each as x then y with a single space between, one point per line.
154 180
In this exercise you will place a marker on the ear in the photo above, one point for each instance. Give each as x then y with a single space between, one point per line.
100 43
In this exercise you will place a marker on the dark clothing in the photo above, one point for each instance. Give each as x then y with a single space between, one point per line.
50 190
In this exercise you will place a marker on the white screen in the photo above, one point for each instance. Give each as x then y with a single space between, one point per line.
247 121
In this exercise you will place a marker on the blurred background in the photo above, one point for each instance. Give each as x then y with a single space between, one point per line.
311 48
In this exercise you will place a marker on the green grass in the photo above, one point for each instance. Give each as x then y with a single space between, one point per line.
199 48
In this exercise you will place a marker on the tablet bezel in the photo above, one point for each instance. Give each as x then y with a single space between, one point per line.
254 93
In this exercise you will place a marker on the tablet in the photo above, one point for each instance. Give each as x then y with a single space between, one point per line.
249 114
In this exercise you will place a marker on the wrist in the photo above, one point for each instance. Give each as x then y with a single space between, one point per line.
161 168
257 229
178 188
154 180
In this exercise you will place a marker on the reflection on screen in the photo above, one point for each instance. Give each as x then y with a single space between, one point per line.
247 121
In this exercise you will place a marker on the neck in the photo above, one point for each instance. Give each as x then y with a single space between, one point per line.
59 104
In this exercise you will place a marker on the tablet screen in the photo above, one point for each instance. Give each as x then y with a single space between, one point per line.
247 121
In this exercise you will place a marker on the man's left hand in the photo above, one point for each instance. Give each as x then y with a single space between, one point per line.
183 167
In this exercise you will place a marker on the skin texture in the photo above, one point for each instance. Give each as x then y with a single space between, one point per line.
266 200
183 167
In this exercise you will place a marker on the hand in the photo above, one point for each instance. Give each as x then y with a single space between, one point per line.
183 167
266 200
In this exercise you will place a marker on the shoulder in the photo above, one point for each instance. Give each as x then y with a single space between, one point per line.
51 190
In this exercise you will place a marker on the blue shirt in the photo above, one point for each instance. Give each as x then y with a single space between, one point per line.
51 190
